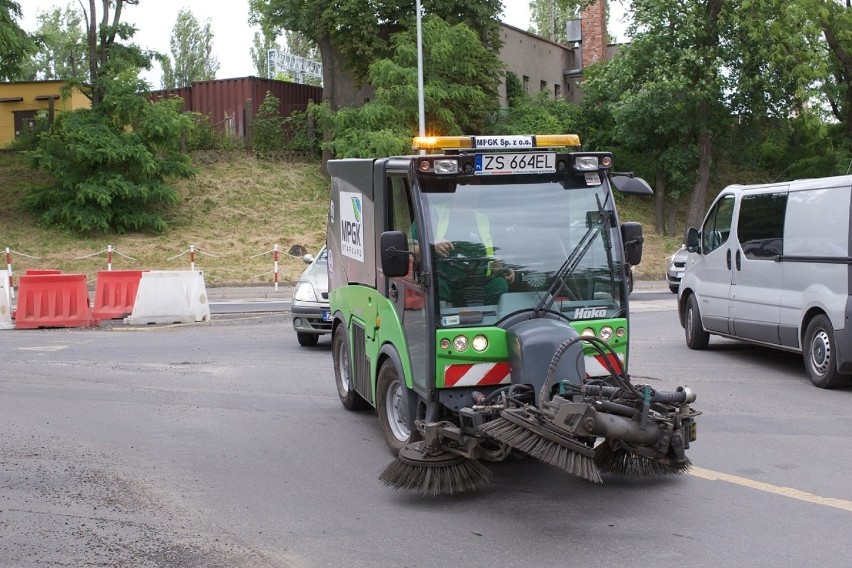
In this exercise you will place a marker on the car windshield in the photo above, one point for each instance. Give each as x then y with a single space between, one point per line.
498 247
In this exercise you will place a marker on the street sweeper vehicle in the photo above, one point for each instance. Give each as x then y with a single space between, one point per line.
479 303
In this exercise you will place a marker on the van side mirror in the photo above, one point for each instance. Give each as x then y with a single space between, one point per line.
631 235
693 240
394 245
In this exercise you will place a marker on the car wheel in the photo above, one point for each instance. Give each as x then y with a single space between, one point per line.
696 337
307 339
349 398
674 288
390 406
820 354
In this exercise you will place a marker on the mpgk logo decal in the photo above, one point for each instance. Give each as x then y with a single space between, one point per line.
351 227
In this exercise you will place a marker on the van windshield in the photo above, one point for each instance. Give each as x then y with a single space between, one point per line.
497 246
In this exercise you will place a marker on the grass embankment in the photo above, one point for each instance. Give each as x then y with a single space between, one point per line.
233 211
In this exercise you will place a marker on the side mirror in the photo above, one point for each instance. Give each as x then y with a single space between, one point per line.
693 240
395 253
632 185
631 234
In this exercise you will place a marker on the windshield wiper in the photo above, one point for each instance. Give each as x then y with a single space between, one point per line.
557 283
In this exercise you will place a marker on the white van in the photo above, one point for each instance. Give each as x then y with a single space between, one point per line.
772 264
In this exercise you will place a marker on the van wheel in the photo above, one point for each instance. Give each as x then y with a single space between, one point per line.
349 398
820 354
390 406
696 337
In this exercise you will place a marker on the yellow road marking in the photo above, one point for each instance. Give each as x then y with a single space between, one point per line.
709 475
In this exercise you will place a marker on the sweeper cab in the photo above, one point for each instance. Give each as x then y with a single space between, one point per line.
479 303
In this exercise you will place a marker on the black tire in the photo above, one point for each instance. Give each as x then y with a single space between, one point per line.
349 398
390 406
696 337
307 339
820 354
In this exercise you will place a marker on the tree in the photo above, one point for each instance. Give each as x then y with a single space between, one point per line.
694 65
108 56
111 162
548 18
15 44
352 34
192 51
835 21
62 50
461 78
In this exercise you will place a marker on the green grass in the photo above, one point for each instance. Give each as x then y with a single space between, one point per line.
233 212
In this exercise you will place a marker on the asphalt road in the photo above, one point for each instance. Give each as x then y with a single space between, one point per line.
223 444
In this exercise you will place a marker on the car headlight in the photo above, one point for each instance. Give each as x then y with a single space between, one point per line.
304 292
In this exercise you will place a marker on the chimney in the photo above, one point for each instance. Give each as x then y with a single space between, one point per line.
595 40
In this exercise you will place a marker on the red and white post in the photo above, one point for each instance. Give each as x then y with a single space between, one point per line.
275 264
192 257
9 272
109 258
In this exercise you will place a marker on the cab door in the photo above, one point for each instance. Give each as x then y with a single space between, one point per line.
710 271
407 292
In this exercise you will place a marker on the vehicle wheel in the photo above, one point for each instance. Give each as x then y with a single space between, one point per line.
673 288
696 337
390 406
307 339
349 398
820 354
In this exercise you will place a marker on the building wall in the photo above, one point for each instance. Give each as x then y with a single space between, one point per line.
25 98
540 64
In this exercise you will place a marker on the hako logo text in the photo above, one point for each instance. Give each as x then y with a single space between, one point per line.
588 313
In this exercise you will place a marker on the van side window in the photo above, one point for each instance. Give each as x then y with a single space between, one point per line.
717 227
761 225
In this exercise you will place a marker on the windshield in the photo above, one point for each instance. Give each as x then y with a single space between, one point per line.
498 247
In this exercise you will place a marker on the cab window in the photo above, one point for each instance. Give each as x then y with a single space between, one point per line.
717 227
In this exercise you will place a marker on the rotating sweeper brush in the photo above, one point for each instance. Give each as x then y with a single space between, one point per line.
584 427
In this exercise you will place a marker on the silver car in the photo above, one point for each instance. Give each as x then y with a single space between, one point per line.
675 268
311 316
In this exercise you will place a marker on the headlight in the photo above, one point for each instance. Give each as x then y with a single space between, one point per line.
480 343
446 166
586 163
304 292
460 343
606 333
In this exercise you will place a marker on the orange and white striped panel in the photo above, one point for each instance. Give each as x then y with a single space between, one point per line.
477 374
596 364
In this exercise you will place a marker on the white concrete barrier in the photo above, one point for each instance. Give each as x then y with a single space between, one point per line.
5 301
170 296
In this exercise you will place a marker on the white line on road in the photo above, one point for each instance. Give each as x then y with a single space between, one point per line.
709 475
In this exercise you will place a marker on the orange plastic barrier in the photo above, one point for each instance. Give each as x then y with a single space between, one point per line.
41 271
115 293
53 300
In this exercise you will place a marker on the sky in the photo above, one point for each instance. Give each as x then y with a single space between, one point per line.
232 36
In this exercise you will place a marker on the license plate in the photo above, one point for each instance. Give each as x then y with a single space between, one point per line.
526 163
326 315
